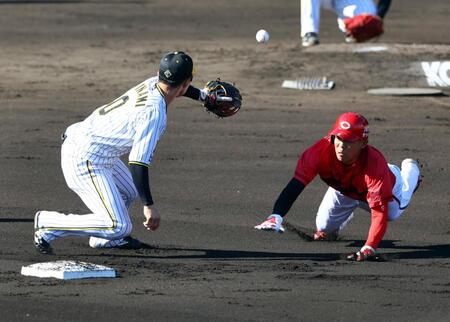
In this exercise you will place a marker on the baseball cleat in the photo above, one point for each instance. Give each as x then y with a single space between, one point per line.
41 245
130 243
310 39
323 236
349 39
272 223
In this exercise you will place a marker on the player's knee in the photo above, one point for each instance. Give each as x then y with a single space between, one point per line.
394 211
323 223
121 229
120 232
128 229
394 215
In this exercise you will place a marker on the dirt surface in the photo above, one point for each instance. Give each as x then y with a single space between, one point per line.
212 179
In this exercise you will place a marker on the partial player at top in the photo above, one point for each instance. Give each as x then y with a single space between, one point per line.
359 20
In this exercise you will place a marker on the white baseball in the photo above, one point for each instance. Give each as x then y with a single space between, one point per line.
262 36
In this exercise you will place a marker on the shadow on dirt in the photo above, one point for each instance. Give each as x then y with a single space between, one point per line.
417 252
16 220
148 251
36 2
64 1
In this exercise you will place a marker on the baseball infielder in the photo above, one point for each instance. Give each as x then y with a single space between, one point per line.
310 15
358 176
133 123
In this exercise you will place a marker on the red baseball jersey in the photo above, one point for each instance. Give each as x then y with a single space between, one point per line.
368 179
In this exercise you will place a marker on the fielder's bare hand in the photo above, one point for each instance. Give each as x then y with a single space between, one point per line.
152 218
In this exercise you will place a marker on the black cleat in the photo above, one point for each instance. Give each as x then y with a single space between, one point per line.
130 243
310 39
41 245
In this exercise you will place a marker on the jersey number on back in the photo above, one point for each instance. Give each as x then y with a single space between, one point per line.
113 105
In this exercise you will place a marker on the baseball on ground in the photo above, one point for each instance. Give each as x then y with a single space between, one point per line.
262 36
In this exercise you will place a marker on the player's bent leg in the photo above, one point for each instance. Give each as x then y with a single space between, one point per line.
394 210
51 225
124 182
335 211
410 174
96 187
407 181
395 206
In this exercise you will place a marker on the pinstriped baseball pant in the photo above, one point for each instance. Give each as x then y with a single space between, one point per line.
310 11
107 190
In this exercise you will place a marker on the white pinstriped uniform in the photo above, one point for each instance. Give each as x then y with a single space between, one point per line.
133 123
310 12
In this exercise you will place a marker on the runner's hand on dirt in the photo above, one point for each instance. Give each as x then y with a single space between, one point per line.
152 218
366 253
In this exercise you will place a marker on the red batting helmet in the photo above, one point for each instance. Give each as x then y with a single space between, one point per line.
351 127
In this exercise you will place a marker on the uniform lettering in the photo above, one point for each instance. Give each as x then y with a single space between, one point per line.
142 95
141 88
141 99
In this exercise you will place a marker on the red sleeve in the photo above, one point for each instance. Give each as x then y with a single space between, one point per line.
379 179
378 225
308 163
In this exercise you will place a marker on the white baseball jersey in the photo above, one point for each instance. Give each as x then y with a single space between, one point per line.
133 123
310 12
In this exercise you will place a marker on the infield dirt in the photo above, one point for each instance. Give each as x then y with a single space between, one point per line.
214 179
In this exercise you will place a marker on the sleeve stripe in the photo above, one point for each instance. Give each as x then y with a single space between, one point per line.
138 163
